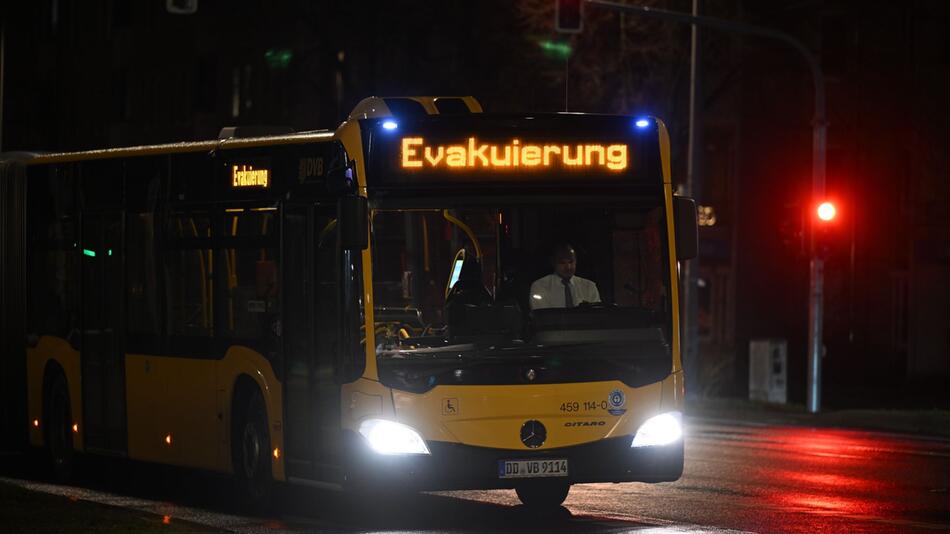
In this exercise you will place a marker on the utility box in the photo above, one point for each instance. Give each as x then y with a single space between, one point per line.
768 370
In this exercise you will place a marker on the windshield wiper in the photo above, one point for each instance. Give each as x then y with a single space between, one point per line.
468 352
461 352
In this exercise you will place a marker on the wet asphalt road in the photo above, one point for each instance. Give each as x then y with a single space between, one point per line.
738 477
784 479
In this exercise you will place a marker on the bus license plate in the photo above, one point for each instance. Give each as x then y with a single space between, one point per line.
555 467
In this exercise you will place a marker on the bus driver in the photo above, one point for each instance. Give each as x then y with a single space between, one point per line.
561 289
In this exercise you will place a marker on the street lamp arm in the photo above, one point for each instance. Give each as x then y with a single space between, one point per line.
732 26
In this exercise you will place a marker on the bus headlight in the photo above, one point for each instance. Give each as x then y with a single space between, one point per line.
662 429
390 437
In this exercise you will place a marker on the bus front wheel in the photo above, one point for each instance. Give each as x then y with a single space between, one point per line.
250 450
58 435
543 494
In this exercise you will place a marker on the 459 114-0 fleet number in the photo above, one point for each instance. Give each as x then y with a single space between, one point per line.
586 406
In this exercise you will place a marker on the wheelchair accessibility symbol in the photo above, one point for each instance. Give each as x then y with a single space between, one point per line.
450 406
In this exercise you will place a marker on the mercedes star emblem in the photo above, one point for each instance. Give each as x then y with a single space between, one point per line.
533 434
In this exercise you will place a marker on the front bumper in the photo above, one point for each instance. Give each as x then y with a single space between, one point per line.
456 466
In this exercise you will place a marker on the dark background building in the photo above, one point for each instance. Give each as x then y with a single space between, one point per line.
88 74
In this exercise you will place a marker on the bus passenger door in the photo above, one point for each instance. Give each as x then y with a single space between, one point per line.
311 337
102 352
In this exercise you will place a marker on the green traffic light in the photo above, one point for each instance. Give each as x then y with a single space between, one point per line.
562 50
278 58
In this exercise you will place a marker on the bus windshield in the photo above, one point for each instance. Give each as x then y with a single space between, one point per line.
581 290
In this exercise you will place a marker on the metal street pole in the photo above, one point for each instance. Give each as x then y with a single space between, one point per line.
3 68
819 131
693 180
567 79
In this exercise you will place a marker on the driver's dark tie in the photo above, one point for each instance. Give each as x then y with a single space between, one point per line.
568 298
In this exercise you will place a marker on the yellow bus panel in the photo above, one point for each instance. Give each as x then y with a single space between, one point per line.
179 409
492 416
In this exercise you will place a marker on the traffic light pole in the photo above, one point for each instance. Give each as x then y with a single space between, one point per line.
819 131
689 320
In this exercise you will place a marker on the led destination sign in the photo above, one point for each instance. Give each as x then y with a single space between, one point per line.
416 153
248 176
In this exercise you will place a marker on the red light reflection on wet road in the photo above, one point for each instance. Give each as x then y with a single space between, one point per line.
813 503
836 472
826 479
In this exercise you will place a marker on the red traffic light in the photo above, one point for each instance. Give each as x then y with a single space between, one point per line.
826 211
569 16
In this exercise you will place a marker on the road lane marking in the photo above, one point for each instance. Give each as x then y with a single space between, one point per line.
658 525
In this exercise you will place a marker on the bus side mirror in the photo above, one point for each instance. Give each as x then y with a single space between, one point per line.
340 180
687 230
353 229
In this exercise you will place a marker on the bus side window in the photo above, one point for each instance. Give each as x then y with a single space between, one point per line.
252 303
141 274
327 310
54 260
189 275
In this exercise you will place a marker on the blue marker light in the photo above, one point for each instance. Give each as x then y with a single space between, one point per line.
642 123
390 125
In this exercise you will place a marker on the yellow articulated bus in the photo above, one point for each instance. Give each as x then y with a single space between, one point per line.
429 297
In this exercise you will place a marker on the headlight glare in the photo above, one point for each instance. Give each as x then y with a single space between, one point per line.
390 437
662 429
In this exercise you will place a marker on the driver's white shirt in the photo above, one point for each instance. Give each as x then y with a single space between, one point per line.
548 292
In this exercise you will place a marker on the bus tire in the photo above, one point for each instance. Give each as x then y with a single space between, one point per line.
250 450
547 494
57 435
